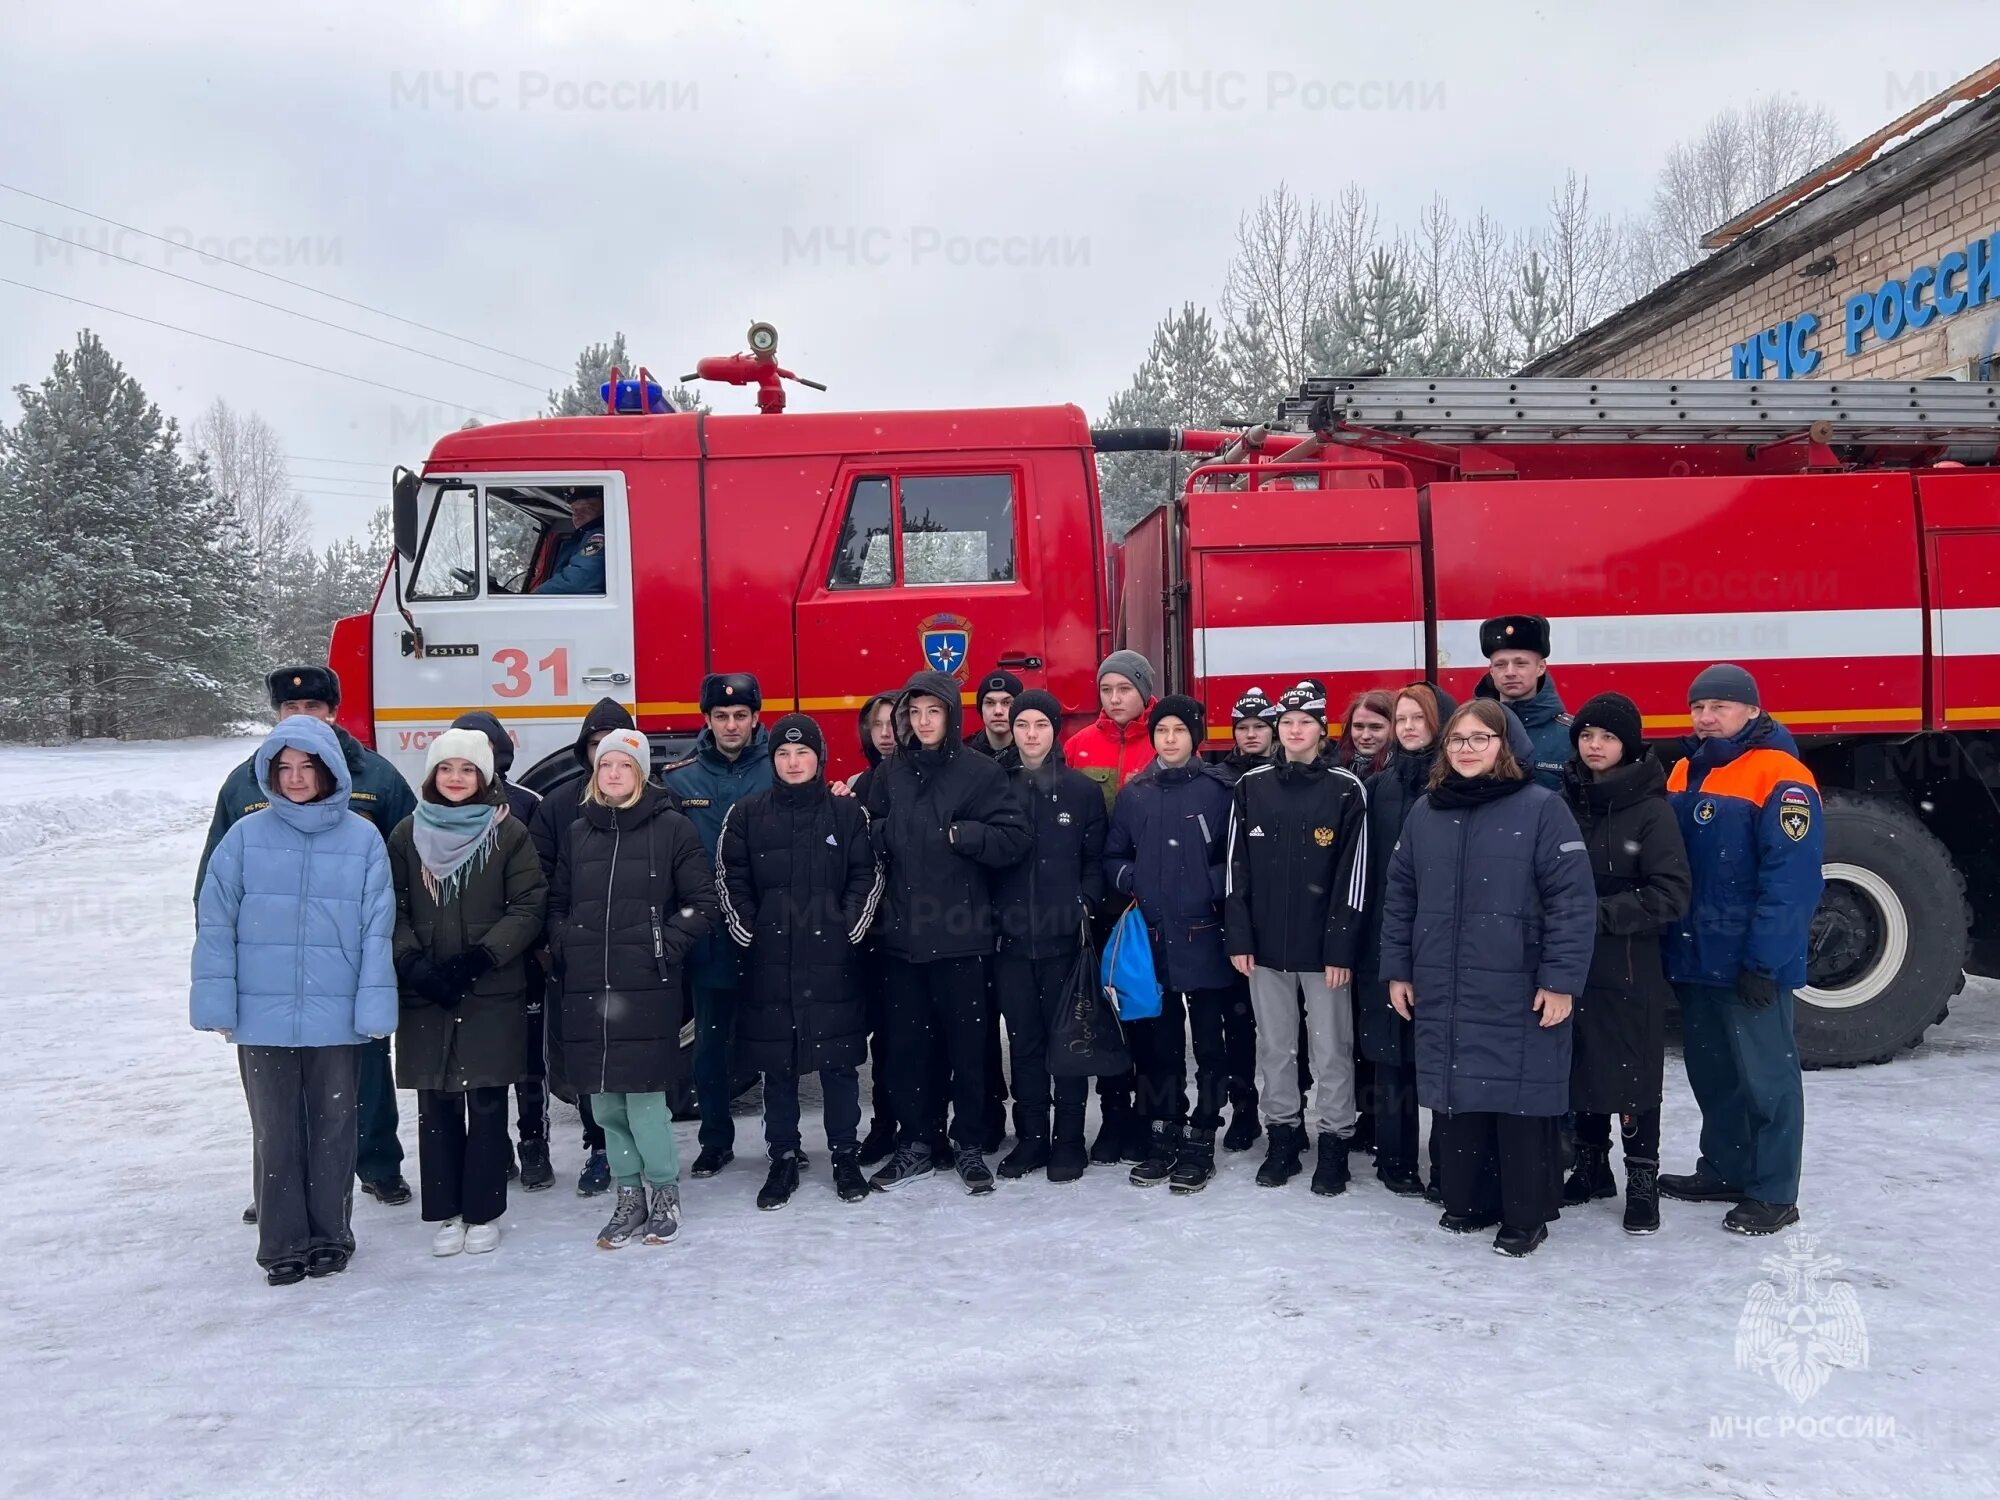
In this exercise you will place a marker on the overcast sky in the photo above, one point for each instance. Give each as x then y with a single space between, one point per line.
536 177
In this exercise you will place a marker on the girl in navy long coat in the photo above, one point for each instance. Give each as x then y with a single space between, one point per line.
1488 923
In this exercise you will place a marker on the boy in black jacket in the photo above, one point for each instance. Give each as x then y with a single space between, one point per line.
1298 863
941 818
796 873
1041 905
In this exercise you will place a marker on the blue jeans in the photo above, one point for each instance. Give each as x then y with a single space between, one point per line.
714 1033
1743 1066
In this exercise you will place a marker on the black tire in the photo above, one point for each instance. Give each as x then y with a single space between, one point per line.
1891 888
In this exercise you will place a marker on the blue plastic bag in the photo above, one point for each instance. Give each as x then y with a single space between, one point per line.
1127 969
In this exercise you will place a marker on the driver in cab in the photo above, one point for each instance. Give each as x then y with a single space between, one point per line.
578 567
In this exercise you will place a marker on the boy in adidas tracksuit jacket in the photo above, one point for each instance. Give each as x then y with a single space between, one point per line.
1298 861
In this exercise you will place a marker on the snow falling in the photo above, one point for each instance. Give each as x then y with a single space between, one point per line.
1093 1339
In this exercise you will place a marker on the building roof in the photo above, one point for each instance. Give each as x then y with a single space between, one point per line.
1800 218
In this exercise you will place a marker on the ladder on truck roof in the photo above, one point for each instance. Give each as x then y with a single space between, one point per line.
1880 413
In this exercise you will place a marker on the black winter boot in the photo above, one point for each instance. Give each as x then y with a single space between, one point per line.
1163 1153
782 1182
1755 1216
1067 1157
1698 1187
1281 1156
1592 1177
847 1178
1196 1164
711 1160
1642 1195
1330 1173
1243 1124
1109 1147
1028 1155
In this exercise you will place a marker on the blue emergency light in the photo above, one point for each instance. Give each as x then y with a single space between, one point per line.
635 397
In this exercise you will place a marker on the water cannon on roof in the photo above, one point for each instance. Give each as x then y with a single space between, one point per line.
759 367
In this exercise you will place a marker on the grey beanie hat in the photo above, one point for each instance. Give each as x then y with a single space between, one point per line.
1131 666
1724 680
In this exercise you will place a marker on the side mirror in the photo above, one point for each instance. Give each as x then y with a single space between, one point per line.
403 509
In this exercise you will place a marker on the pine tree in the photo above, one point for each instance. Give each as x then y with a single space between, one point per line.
1380 320
1181 383
584 396
1533 311
127 582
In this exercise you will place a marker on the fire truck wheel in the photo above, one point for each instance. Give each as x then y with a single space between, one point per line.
1889 940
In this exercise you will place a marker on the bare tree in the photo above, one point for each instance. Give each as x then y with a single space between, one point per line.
246 463
1294 258
1584 256
1739 158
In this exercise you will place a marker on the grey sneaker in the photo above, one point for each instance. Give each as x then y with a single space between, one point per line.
628 1218
663 1227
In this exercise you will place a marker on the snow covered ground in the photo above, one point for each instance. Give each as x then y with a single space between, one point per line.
1044 1341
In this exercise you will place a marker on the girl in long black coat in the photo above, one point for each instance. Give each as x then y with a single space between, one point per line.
1618 791
1386 1040
1487 927
633 890
799 884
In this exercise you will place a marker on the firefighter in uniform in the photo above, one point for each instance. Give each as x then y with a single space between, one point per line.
1516 648
1750 814
384 799
578 567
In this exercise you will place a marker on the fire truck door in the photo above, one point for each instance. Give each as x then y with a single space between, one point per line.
493 637
918 569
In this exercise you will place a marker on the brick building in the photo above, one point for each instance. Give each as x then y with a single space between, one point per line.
1883 263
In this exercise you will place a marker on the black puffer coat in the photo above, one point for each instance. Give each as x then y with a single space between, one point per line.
942 820
799 884
1485 904
633 890
482 1042
1041 902
1641 868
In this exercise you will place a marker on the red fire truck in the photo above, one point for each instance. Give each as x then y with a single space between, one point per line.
1840 540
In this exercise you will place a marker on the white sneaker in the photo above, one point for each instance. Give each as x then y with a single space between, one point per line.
450 1237
481 1237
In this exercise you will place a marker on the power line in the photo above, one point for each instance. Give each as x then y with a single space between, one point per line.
288 311
274 276
116 312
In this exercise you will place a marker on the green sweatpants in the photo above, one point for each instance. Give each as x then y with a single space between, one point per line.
638 1137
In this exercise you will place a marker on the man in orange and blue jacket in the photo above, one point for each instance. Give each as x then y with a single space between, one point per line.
1750 813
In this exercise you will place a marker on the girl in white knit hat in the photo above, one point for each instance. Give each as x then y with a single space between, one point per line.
470 898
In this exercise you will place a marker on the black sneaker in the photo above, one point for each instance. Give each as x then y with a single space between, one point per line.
1755 1216
877 1144
250 1214
1519 1242
905 1164
1163 1153
595 1178
1330 1170
973 1171
1698 1187
781 1183
1196 1163
1467 1223
711 1160
1399 1178
847 1178
536 1170
328 1260
390 1190
1027 1156
285 1273
1642 1195
1591 1177
1281 1156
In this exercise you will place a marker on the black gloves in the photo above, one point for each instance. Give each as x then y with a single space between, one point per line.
427 979
447 981
1758 991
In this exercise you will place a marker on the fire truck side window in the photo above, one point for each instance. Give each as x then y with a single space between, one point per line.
957 528
449 567
512 535
863 558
